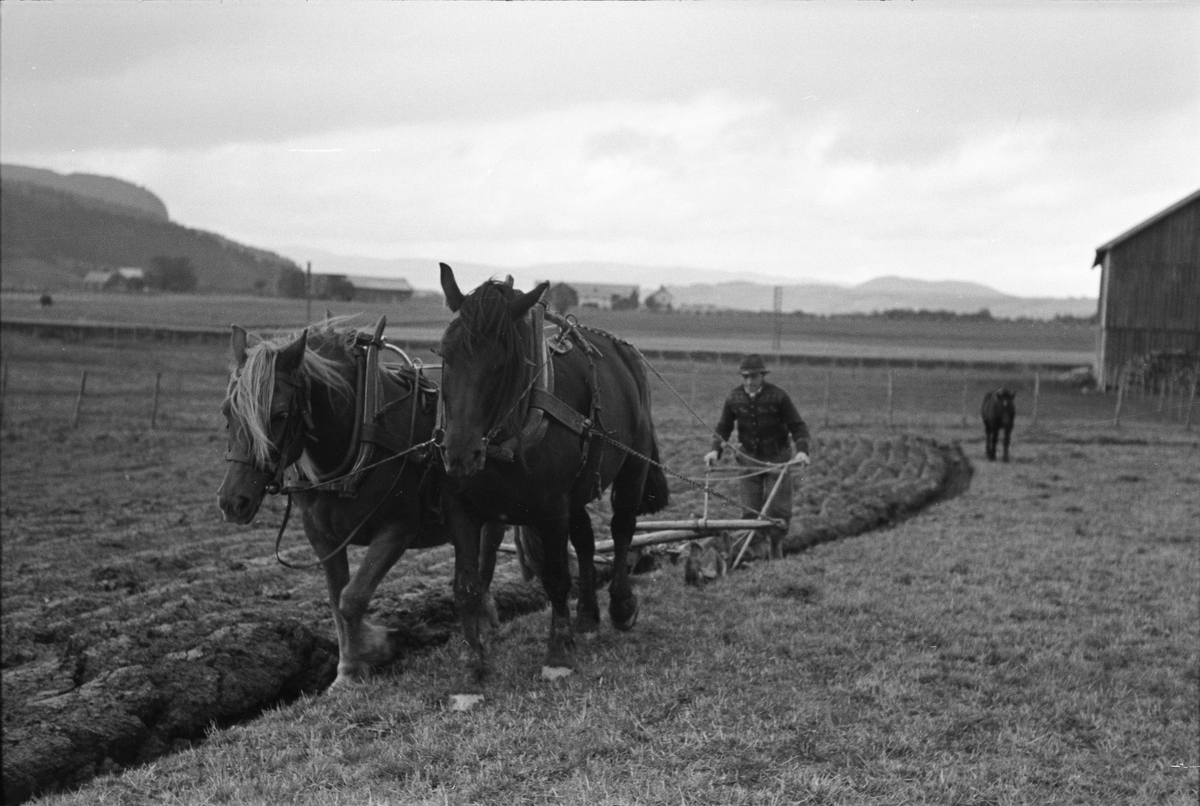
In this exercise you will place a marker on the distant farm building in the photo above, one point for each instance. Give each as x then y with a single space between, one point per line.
125 279
660 300
1150 291
380 289
606 296
360 288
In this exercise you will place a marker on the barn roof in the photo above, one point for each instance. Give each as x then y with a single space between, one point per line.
603 289
379 283
1152 220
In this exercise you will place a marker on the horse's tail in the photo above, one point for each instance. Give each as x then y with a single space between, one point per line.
655 492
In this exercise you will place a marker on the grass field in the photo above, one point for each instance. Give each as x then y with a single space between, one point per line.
857 335
1033 641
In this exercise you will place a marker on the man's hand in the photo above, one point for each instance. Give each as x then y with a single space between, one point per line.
711 458
801 459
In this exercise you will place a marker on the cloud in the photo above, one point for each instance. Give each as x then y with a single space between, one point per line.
996 142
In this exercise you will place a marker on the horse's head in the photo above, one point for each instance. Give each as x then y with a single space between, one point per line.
266 411
1005 396
484 367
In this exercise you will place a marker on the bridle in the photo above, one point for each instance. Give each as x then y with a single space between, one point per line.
297 424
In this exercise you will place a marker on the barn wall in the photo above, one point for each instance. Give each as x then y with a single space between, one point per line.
1152 292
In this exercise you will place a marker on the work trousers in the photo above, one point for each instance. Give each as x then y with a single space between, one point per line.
753 492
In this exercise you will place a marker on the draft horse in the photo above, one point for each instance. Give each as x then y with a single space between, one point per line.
359 435
591 431
998 414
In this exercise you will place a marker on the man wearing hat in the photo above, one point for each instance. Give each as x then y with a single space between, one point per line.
769 428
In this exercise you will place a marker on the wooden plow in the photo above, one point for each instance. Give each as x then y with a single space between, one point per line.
653 533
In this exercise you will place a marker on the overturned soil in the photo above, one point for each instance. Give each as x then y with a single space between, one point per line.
134 619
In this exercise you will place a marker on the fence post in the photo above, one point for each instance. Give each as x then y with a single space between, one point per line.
828 383
889 397
1120 395
1037 385
79 399
154 405
1191 402
3 387
693 379
964 398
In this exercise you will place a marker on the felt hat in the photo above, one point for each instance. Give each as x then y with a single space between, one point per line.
752 363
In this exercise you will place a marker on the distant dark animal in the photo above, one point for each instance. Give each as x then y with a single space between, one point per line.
359 435
599 406
45 300
998 415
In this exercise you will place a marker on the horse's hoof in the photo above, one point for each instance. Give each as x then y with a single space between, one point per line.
625 621
586 625
463 702
556 672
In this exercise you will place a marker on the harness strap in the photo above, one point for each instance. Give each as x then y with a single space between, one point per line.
559 410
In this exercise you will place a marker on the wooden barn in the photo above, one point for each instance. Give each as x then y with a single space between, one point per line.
1150 290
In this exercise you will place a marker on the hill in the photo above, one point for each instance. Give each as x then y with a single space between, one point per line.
880 294
106 192
723 290
51 238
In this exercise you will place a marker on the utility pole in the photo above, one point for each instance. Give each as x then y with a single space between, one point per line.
308 294
778 342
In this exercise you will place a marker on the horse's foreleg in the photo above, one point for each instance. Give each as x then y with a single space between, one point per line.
367 644
1007 437
587 609
337 575
469 597
491 537
556 580
990 443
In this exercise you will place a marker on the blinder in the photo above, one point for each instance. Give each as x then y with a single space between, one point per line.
296 425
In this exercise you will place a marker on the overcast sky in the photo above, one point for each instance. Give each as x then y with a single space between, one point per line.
993 142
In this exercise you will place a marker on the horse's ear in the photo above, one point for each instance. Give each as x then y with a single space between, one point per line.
289 357
454 297
328 314
508 280
237 346
518 307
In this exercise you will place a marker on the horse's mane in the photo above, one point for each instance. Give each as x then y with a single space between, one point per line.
252 385
484 318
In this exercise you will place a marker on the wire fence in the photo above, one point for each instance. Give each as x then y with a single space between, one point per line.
36 394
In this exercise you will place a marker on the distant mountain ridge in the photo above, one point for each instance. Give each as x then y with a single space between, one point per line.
92 189
720 291
881 294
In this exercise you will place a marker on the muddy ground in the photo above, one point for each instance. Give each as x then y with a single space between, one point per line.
134 619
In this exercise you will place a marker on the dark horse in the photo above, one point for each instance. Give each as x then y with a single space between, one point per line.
598 433
359 436
998 414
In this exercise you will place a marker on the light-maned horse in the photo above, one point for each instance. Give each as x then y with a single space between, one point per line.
998 412
292 401
599 388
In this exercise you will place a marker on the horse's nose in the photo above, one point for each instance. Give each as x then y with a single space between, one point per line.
465 461
239 509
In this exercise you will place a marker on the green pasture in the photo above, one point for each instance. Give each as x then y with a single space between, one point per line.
1032 641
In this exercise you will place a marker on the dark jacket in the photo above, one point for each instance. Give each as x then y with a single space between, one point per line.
763 423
